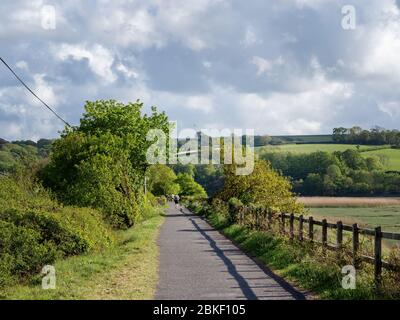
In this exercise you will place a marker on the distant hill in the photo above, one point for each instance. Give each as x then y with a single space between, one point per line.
15 152
322 138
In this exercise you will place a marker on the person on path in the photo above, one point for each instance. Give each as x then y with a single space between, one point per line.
176 200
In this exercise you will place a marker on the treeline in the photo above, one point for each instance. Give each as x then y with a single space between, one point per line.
335 174
375 136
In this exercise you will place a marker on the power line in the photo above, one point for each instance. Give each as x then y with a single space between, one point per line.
44 103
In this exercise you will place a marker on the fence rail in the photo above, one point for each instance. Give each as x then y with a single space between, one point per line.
264 219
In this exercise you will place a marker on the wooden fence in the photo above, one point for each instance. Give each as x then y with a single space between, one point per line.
262 219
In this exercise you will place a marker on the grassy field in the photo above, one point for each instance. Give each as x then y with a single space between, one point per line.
309 148
127 271
392 156
388 217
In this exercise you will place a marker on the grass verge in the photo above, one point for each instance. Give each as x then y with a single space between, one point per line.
305 266
128 270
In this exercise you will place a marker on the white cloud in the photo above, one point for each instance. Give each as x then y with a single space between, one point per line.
130 73
100 59
382 55
23 65
201 103
392 108
43 91
264 65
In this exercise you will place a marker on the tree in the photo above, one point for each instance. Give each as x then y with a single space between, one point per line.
161 180
264 187
313 184
189 187
101 163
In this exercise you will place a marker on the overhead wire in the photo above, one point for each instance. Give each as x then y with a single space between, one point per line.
34 94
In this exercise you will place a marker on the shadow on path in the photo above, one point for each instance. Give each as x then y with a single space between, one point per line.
244 286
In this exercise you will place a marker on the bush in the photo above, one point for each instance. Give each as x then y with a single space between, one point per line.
35 230
22 252
233 204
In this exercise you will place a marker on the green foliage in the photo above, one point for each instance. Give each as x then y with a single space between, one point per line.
102 162
35 230
335 174
189 187
19 153
161 180
209 176
263 187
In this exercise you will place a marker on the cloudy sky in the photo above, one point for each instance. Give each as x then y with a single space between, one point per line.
277 66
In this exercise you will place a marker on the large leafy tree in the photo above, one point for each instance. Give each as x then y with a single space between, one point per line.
102 162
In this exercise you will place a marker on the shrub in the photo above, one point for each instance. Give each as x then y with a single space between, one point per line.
22 252
263 187
35 230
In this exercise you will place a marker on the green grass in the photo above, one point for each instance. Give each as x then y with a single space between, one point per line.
392 156
309 148
129 270
387 217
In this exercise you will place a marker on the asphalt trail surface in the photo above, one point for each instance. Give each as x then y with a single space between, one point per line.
197 262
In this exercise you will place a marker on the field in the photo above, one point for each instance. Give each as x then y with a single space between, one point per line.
367 212
309 148
392 156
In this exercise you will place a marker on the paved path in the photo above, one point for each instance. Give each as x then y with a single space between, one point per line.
197 262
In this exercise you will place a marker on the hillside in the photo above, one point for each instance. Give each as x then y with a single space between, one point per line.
18 152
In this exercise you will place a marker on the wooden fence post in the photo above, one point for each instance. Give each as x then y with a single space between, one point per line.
356 243
324 233
339 234
339 238
301 228
291 230
311 229
378 257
